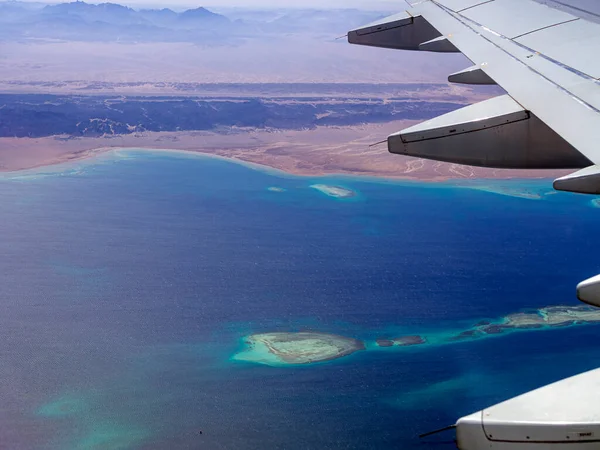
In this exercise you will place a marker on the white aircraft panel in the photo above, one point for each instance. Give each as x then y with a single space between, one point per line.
486 114
512 18
385 23
459 5
400 31
494 133
507 63
471 75
565 100
585 181
574 44
561 416
560 412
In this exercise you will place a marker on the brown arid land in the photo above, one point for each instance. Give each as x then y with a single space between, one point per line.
284 59
322 151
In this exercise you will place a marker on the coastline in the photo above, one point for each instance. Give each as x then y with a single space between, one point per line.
281 349
76 165
323 152
58 164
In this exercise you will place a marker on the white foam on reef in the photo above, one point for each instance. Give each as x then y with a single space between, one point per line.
113 155
334 191
131 153
514 191
258 352
43 172
64 169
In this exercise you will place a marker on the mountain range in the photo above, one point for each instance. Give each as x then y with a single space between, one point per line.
106 22
81 21
123 15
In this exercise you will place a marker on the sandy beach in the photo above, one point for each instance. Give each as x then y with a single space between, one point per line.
322 151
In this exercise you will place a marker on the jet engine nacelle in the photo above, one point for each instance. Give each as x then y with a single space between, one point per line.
561 416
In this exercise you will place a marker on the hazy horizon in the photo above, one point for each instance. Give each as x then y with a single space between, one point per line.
588 9
251 4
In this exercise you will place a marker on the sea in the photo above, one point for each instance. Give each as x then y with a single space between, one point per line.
129 282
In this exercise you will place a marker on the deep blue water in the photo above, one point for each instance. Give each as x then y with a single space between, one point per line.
128 284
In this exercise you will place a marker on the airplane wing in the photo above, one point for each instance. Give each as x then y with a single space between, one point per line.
546 60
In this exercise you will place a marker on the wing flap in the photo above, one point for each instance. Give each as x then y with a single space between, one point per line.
547 62
471 75
385 24
439 45
401 31
539 85
494 133
489 113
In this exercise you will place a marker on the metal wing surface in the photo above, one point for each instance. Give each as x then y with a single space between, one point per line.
548 62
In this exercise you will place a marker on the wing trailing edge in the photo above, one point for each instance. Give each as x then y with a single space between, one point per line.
401 31
471 75
534 52
439 45
496 133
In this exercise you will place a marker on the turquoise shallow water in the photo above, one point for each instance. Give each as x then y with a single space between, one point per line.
129 283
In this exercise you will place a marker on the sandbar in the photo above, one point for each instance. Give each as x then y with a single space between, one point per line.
297 348
334 191
404 341
518 192
543 318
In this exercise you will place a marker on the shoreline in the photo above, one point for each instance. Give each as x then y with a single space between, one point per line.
89 156
320 152
282 349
